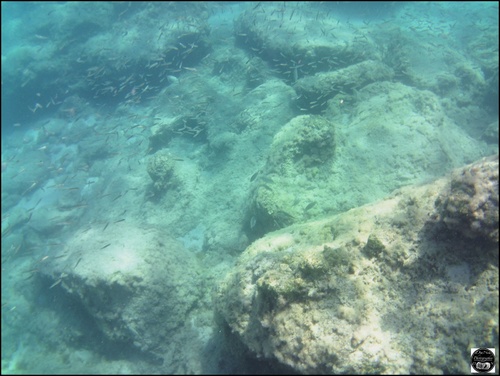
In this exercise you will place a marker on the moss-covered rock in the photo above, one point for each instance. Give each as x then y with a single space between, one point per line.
320 296
306 142
303 149
315 91
290 52
138 288
470 206
161 168
373 247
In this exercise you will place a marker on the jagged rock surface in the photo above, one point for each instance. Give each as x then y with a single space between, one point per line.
383 288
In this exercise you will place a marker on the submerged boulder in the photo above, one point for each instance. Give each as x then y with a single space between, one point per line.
383 288
161 169
301 153
136 283
470 205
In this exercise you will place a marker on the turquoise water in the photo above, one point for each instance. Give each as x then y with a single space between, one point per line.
145 146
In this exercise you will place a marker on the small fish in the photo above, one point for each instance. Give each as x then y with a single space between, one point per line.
42 259
310 205
106 246
56 283
120 220
30 188
172 79
253 222
80 259
79 206
117 197
252 178
37 106
35 205
105 227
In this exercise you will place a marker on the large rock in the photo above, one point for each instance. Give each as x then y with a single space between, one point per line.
328 44
137 283
355 154
304 147
470 205
384 288
315 91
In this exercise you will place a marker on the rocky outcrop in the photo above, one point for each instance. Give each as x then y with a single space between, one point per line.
470 205
137 284
392 287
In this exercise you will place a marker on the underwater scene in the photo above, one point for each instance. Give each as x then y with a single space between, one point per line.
249 187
